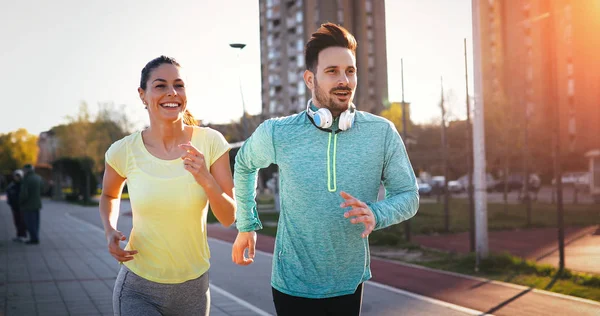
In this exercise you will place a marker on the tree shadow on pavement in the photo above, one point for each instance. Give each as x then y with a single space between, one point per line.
508 301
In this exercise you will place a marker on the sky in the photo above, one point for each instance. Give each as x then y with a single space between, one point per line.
57 54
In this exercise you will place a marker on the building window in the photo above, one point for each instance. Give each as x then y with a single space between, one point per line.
299 45
299 17
368 6
275 81
301 60
301 88
291 77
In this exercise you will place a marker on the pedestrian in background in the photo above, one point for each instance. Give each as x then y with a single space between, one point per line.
30 203
174 169
12 194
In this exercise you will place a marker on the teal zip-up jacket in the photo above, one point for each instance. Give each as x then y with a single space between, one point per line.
318 252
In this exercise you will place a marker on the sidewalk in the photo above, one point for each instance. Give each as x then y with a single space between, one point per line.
493 297
582 245
70 272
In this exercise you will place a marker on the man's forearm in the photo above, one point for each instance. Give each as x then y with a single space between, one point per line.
395 209
245 193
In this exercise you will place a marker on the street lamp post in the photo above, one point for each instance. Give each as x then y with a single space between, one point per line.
241 46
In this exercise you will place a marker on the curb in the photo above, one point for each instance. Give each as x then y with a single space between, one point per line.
501 283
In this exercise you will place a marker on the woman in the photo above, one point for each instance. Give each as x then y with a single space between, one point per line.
174 169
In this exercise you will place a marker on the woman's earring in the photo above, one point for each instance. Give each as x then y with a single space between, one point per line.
146 105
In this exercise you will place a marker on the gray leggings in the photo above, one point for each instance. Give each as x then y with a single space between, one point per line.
134 295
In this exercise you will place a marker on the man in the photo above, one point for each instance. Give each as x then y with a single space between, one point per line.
332 160
12 193
30 202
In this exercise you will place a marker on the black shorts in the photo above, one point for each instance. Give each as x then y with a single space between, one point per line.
346 305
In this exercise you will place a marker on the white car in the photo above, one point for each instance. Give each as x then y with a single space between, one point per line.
424 188
490 182
455 186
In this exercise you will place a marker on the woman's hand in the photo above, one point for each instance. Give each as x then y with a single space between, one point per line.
113 238
193 161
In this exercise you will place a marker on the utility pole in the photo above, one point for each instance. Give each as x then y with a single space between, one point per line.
241 46
526 197
479 175
555 104
528 108
469 160
445 160
405 136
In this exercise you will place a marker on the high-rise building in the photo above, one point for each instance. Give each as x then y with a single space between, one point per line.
285 27
538 59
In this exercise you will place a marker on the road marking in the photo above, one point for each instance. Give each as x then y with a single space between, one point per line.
217 289
395 290
429 299
238 300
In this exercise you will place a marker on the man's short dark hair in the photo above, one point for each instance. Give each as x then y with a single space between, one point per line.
328 35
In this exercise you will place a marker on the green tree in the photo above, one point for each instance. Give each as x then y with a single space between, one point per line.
85 136
16 149
86 139
395 115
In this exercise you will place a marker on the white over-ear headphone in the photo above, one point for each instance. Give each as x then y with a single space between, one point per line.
323 118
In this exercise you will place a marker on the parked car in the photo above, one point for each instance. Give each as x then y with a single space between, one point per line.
489 179
424 188
573 178
438 185
455 186
583 182
516 182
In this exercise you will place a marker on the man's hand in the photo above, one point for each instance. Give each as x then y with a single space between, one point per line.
243 241
113 238
361 211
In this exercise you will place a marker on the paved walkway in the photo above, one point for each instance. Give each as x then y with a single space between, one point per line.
69 272
497 298
582 245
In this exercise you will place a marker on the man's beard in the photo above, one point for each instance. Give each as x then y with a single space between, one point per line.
327 100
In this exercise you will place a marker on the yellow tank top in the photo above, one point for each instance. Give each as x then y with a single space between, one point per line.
169 208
